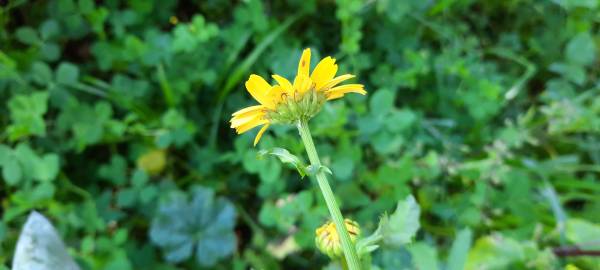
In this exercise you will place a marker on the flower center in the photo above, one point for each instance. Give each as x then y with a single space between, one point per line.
298 106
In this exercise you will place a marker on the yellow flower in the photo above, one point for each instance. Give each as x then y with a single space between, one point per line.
287 102
328 240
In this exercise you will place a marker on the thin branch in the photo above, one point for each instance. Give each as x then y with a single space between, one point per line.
574 252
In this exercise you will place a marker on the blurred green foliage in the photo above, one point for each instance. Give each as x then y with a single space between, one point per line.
114 125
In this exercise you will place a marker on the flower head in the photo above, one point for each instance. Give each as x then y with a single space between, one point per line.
328 239
287 102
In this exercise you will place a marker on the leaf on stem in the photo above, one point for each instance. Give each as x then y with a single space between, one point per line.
286 157
368 244
394 230
314 170
400 227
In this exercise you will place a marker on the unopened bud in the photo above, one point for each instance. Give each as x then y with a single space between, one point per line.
328 241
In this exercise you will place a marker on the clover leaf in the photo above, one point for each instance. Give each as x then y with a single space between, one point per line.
197 224
27 115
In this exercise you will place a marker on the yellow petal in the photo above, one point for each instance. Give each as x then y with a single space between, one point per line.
338 92
248 109
250 125
304 63
276 94
284 83
336 96
335 81
260 133
324 72
238 121
302 84
347 86
258 88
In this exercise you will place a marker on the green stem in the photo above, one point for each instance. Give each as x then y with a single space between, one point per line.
349 250
343 264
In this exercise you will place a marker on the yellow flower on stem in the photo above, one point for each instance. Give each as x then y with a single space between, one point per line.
287 102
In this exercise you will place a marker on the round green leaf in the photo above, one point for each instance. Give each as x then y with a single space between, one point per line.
382 101
27 35
581 49
67 73
11 172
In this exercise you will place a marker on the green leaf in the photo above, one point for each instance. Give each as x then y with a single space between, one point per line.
49 29
382 102
286 157
313 170
424 256
400 227
42 73
573 72
27 158
180 130
5 154
560 215
572 4
187 37
459 250
286 213
66 6
148 193
116 171
46 168
33 166
27 35
343 166
88 124
126 197
139 178
67 73
197 224
369 244
581 231
27 112
244 66
50 51
500 252
215 246
41 192
581 49
11 172
494 252
86 6
386 143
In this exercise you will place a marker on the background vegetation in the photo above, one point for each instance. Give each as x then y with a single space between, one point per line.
114 125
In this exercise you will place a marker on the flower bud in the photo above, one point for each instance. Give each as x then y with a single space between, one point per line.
328 240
